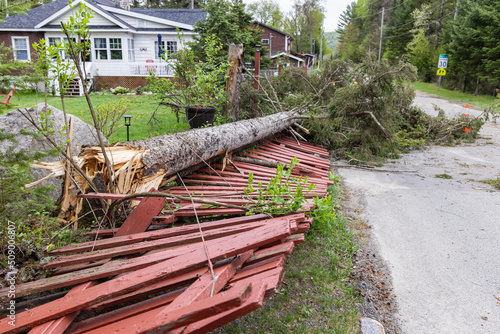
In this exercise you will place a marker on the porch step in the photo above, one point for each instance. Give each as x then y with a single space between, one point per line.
74 88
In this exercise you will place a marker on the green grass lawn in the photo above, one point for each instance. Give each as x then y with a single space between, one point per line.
142 109
480 101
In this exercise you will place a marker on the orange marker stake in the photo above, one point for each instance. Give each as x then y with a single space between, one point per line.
466 129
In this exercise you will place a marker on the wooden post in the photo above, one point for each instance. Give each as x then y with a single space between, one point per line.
257 67
232 107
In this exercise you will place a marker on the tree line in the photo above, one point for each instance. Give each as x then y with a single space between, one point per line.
468 31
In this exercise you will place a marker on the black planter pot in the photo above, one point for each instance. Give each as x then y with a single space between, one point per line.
200 116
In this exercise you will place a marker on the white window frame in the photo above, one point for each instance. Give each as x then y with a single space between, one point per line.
97 51
131 49
112 48
52 41
166 47
27 39
108 48
265 41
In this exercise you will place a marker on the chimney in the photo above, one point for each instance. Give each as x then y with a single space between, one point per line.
123 4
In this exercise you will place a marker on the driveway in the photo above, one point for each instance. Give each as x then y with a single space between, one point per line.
440 238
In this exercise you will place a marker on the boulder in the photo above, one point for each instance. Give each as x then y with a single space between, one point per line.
12 123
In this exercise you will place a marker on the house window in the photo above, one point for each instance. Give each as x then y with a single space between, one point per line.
167 46
131 50
21 48
55 41
171 47
156 48
115 46
108 48
101 49
265 42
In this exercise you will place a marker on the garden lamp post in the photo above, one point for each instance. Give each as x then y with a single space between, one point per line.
127 118
257 66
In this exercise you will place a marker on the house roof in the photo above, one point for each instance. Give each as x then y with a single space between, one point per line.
186 16
289 56
35 16
271 28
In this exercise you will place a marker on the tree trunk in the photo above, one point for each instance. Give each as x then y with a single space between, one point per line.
476 92
463 83
232 107
178 151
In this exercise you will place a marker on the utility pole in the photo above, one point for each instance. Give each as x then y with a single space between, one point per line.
456 10
270 44
321 43
381 35
192 4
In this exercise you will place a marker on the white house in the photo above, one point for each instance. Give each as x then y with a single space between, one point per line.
124 40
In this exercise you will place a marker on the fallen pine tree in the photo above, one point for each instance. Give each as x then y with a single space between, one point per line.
141 165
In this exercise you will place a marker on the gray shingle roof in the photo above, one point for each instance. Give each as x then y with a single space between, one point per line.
186 16
37 15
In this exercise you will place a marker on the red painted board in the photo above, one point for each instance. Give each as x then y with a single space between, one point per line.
103 232
210 212
296 238
158 321
209 323
152 235
108 196
290 154
164 220
58 326
158 287
151 245
258 268
303 147
123 313
285 248
140 219
232 245
304 227
205 286
273 278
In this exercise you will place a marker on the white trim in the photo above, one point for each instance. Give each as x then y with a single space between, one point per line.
288 55
147 17
27 39
68 8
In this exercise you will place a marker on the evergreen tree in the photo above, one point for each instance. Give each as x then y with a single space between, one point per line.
227 20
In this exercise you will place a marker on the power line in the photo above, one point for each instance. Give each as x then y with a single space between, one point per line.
424 26
411 21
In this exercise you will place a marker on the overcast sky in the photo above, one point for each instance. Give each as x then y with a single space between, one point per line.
333 10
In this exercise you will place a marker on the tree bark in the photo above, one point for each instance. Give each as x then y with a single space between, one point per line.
232 108
177 151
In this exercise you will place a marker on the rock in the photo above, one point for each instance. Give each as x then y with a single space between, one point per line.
371 326
14 121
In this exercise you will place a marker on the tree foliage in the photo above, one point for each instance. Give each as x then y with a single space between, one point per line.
420 30
267 12
230 23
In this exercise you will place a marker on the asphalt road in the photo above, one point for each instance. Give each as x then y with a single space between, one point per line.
440 238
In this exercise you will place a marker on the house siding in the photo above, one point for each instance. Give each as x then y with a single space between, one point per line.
34 37
277 41
97 20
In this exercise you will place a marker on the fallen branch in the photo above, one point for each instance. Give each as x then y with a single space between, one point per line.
386 133
301 128
270 164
